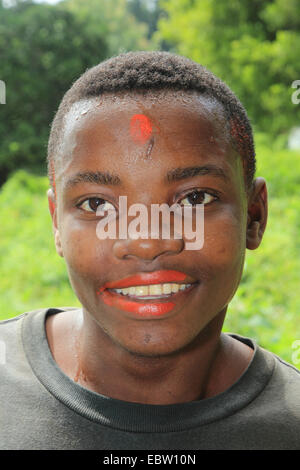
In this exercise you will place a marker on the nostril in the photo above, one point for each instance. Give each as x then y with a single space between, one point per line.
146 249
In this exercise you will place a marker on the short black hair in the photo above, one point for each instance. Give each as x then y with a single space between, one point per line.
156 70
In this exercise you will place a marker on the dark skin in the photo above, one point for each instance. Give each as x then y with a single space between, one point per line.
182 356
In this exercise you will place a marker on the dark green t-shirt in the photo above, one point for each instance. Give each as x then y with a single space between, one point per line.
42 408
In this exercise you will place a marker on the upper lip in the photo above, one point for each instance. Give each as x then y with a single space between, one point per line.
148 278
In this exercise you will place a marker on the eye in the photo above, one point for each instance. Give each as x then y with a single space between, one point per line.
198 197
91 204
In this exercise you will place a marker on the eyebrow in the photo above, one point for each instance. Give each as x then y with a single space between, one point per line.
98 177
182 173
177 174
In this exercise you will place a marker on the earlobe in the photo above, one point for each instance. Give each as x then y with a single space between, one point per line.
53 213
257 214
58 243
253 238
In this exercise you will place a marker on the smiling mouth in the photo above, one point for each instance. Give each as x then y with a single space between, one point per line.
147 306
153 291
148 294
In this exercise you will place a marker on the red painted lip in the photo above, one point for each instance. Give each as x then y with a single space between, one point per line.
143 308
156 277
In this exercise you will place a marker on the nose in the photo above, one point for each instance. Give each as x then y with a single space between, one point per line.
146 249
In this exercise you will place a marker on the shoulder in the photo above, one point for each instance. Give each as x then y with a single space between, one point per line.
12 320
9 331
271 414
10 328
281 390
280 364
21 337
280 398
287 377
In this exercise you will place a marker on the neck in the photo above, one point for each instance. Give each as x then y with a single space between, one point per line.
185 375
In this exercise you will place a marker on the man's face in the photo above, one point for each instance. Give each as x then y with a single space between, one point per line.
179 132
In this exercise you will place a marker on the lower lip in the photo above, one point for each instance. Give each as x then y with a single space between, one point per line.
150 308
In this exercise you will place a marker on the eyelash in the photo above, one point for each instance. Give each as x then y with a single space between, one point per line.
185 197
103 201
202 192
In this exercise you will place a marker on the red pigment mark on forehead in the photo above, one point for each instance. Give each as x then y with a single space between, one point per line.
140 128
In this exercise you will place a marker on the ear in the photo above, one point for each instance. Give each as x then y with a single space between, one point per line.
53 213
257 213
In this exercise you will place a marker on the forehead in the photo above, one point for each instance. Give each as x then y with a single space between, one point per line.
179 123
162 105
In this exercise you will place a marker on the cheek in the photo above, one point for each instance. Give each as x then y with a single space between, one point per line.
84 253
225 244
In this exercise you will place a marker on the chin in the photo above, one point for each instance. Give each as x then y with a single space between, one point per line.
154 349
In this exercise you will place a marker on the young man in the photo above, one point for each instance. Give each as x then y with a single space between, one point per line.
143 364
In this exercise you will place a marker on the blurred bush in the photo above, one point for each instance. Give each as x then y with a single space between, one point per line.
32 275
267 302
44 49
253 45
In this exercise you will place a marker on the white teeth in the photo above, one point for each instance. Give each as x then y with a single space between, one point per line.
167 289
142 290
131 290
152 290
155 289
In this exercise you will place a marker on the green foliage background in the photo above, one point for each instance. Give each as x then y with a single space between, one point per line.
43 50
253 45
